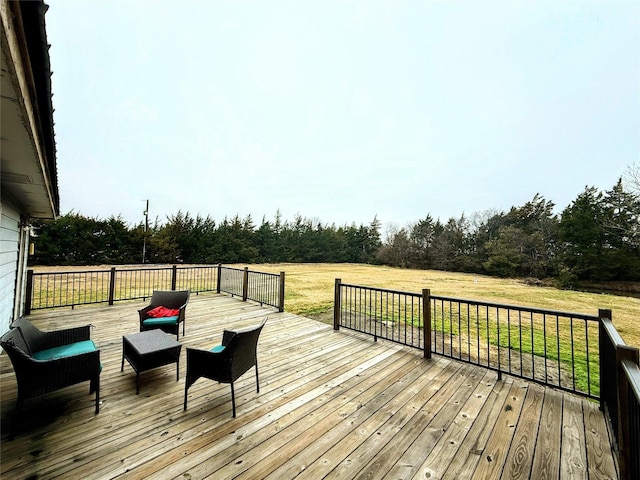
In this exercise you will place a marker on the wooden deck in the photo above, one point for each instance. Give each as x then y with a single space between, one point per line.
331 405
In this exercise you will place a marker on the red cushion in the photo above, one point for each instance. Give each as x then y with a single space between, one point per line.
163 312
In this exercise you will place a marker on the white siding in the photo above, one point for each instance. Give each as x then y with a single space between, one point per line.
9 245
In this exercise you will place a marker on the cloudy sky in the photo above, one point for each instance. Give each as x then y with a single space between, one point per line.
340 110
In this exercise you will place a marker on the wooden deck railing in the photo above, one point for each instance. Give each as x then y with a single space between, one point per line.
68 289
558 349
620 398
578 353
261 287
400 317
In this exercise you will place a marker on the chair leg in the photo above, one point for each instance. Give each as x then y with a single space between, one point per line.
257 380
186 389
14 420
97 387
233 401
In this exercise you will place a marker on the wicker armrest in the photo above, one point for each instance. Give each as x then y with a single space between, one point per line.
199 355
143 312
227 336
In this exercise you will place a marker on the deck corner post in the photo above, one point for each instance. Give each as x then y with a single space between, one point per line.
112 284
281 293
605 313
426 322
336 305
219 278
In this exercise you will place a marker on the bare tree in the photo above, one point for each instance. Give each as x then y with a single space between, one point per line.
631 179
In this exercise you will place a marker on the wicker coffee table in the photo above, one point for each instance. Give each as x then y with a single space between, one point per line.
148 350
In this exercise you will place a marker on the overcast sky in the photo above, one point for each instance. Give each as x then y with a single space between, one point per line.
340 110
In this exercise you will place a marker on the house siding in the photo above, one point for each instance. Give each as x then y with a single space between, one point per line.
9 254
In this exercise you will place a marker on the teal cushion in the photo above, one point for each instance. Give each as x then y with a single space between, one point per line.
217 349
160 321
77 348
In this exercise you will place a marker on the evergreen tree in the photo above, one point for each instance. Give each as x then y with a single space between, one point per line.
582 239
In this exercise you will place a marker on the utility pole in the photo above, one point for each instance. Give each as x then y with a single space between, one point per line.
146 228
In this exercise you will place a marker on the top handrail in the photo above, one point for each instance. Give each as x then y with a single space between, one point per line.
612 332
632 371
383 290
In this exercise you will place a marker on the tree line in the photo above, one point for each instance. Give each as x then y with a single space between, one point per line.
595 238
74 239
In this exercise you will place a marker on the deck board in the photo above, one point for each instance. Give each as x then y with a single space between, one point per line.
331 405
546 457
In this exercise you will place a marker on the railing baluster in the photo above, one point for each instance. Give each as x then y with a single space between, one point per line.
520 338
558 352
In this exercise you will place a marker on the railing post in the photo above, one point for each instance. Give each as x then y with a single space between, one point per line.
245 284
112 284
219 279
336 305
281 293
426 321
174 277
29 293
624 353
498 341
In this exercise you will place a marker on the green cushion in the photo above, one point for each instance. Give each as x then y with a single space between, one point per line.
77 348
161 321
217 349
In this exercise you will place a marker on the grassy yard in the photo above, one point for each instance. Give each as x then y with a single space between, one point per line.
309 290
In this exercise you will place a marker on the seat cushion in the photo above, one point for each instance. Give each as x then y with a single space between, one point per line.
217 348
160 321
65 350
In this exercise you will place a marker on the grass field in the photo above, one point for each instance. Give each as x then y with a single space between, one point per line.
309 290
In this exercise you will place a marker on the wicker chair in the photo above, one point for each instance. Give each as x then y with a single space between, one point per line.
227 362
172 299
48 361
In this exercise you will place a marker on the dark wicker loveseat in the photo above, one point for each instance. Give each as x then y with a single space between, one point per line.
48 361
170 299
